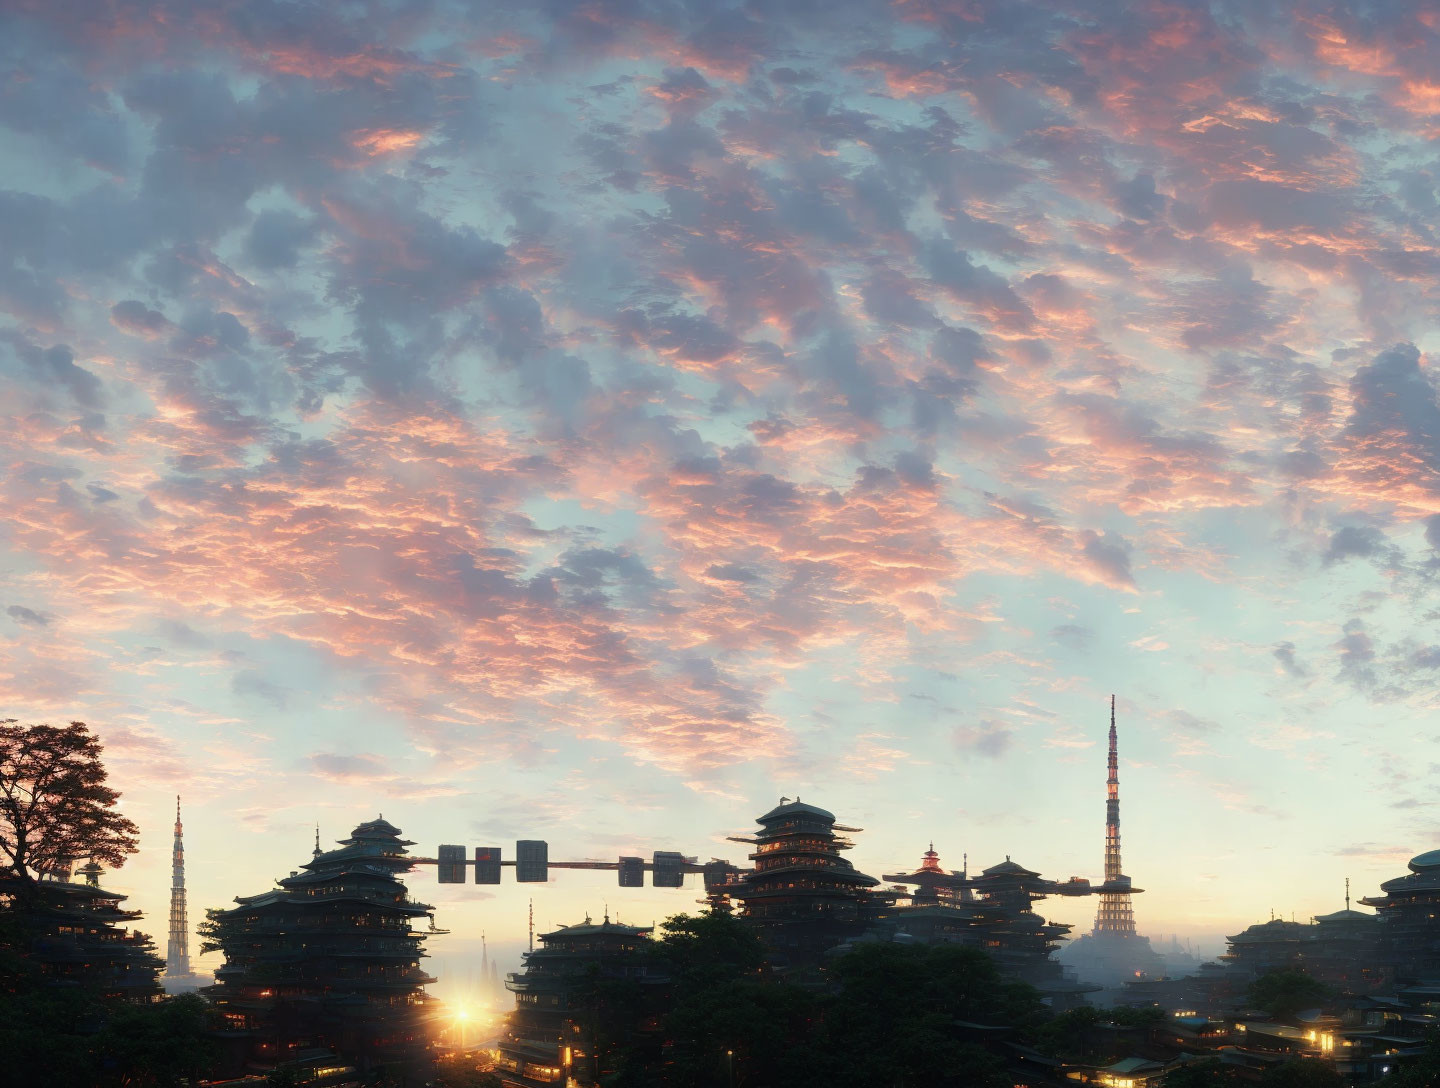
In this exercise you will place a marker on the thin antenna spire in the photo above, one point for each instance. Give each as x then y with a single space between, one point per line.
1115 914
1347 893
177 951
317 838
532 925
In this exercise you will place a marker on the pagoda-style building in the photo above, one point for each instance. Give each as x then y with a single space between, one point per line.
1267 946
1341 949
75 934
554 1034
1021 941
802 897
1409 934
1345 950
328 962
992 911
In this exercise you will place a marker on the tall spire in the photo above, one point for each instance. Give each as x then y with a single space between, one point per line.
177 952
1115 915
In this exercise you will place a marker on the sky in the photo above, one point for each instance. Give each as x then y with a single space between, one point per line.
594 421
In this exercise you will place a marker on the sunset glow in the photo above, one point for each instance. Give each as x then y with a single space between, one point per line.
591 422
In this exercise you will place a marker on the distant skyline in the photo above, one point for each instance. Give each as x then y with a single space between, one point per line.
591 422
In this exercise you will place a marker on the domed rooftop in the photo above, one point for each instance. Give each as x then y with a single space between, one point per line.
1010 867
1426 862
795 808
1347 915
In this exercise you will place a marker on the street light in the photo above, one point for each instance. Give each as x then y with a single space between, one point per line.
730 1063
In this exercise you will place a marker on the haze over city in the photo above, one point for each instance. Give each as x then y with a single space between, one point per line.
592 423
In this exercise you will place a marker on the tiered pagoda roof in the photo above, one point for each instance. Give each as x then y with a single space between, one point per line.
328 958
77 935
802 895
544 1039
1409 931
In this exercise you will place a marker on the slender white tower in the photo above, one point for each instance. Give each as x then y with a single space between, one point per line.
177 952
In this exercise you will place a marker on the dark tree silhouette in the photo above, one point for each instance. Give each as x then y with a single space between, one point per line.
1422 1072
1211 1073
54 804
1287 991
1303 1073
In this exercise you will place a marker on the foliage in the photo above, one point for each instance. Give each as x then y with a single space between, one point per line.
164 1044
882 1013
753 1031
46 1031
1073 1035
54 804
722 1017
1422 1072
67 1035
1283 993
896 1016
712 945
1079 1035
1211 1073
1302 1073
212 931
1127 1017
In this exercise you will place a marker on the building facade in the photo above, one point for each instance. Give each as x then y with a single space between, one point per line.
77 935
1409 911
570 1002
803 897
329 960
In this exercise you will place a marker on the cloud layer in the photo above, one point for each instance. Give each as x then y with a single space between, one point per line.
662 383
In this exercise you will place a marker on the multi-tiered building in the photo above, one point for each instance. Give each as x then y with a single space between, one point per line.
558 1031
1409 913
803 897
328 961
992 911
75 933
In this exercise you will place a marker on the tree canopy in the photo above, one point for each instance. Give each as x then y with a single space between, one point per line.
1302 1073
1210 1073
1285 992
881 1013
55 807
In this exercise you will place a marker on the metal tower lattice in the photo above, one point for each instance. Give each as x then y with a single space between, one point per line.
1115 915
177 951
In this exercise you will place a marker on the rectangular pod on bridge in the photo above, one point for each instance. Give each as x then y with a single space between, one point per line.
487 865
667 871
532 861
632 872
452 865
720 874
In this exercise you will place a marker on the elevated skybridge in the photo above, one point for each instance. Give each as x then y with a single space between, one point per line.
532 865
668 869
